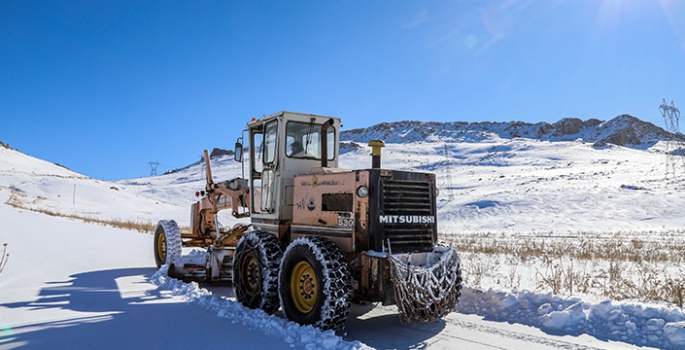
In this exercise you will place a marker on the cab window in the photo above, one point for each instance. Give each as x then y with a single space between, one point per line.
303 140
270 142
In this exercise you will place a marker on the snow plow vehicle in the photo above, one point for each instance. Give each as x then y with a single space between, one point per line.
321 237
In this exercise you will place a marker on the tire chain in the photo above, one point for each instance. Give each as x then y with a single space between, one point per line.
337 305
270 254
173 239
425 295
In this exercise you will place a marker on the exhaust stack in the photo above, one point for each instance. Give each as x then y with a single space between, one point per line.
376 146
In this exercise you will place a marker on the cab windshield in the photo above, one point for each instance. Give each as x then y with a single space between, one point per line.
303 140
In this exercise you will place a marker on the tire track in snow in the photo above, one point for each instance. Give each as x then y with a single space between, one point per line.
446 336
514 335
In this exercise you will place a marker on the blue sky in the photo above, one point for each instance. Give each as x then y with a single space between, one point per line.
104 87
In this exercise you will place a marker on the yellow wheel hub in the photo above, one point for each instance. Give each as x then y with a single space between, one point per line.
161 247
251 273
304 287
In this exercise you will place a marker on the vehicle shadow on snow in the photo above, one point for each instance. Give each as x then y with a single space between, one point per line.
95 291
380 327
106 316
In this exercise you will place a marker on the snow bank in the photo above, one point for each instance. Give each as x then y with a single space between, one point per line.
637 323
300 337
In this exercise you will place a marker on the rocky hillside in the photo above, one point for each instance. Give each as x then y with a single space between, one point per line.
624 130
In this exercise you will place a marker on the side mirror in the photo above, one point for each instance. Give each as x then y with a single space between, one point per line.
238 153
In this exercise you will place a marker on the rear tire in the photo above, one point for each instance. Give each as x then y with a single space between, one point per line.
314 283
167 242
255 271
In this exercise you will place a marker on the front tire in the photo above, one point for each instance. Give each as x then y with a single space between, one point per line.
314 283
167 242
255 271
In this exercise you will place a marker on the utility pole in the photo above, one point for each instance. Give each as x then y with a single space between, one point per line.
675 143
153 168
448 177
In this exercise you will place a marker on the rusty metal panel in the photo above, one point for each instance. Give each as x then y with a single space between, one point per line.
361 239
308 197
337 202
375 284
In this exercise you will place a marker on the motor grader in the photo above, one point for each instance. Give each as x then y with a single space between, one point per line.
321 237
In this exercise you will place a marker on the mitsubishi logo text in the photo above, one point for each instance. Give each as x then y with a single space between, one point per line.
407 219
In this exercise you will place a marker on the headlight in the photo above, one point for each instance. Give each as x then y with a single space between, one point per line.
362 191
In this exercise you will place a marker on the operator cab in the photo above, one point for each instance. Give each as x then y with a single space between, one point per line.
284 145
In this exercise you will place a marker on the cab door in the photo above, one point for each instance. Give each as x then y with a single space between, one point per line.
264 167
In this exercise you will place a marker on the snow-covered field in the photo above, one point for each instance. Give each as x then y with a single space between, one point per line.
72 284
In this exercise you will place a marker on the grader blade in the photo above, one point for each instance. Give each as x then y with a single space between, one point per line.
427 286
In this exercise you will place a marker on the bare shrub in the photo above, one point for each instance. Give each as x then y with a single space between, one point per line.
473 267
568 280
578 278
5 257
552 277
674 290
614 285
513 278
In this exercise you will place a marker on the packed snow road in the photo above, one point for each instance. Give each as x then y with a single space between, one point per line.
459 331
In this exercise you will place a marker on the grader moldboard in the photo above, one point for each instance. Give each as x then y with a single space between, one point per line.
321 237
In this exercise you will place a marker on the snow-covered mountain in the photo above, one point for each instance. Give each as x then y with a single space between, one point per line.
623 130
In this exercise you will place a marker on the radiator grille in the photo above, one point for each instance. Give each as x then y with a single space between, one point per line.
407 198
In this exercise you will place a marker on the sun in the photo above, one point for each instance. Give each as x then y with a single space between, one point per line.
612 15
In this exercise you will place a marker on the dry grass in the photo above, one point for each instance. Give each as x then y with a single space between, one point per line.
140 225
619 266
581 246
20 201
